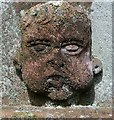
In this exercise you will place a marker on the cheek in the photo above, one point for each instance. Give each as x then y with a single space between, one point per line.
80 63
86 61
80 71
31 70
32 75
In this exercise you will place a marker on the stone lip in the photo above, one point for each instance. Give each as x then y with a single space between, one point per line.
28 111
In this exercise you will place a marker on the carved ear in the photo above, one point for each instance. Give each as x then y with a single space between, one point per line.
97 65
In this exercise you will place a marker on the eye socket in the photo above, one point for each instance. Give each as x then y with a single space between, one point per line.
40 47
71 48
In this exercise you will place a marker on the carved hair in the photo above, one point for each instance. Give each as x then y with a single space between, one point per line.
56 12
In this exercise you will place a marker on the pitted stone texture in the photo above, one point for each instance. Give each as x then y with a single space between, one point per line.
101 91
11 85
56 47
102 48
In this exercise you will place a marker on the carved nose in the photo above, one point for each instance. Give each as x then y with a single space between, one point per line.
54 63
56 59
55 81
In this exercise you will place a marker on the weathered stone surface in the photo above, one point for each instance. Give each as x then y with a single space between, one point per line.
101 19
73 112
55 56
12 87
100 37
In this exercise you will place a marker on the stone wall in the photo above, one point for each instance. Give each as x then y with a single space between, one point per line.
102 48
14 90
12 86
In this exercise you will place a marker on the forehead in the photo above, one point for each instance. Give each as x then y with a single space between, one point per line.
55 23
58 33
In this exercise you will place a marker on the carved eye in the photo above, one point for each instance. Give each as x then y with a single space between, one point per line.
40 47
71 48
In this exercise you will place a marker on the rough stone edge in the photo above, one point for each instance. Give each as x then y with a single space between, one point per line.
0 57
47 112
50 0
113 58
56 0
1 62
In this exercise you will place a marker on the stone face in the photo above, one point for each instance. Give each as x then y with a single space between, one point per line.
12 89
55 55
56 50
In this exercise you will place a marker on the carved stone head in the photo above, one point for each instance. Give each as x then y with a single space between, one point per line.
55 56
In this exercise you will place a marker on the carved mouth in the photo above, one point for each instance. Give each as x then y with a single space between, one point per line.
57 88
55 81
59 94
55 77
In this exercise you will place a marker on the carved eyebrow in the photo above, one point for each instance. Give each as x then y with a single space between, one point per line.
34 41
73 40
37 40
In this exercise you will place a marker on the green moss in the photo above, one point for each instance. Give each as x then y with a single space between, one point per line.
23 115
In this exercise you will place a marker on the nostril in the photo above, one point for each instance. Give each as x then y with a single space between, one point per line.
51 63
56 63
62 65
96 66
